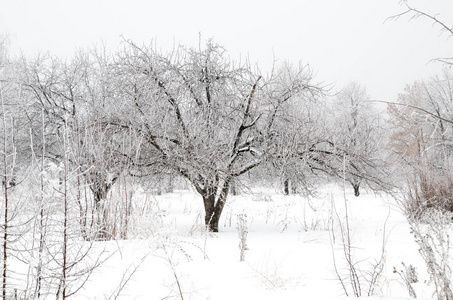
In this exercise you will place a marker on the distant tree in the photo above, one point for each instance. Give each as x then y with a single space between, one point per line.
7 159
301 126
421 125
13 143
349 141
357 135
422 119
203 116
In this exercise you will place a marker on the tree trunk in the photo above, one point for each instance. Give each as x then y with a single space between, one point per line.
100 189
209 204
293 188
170 187
214 205
286 187
356 187
233 189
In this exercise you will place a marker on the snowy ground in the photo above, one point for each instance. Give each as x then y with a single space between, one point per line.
290 242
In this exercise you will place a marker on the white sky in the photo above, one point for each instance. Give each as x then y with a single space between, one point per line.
342 40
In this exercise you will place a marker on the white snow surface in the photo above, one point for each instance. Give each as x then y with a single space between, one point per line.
290 242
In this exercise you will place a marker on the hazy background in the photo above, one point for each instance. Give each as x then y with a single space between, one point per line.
342 40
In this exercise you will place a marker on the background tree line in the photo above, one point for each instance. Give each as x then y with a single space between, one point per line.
194 114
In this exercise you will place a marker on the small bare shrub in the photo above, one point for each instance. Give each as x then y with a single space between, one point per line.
242 228
409 276
356 278
431 233
428 206
125 279
177 283
272 278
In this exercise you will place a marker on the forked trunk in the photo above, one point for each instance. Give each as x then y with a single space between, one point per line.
100 189
213 206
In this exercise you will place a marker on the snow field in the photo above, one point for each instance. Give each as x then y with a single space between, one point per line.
290 242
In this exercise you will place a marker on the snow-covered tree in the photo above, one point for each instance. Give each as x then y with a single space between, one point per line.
75 96
203 116
422 137
357 135
350 146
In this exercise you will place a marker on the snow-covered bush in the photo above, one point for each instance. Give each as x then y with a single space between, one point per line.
409 276
428 188
432 234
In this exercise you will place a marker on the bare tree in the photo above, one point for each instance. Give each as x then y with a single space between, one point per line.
6 177
76 96
359 134
347 128
301 126
11 148
203 116
422 140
